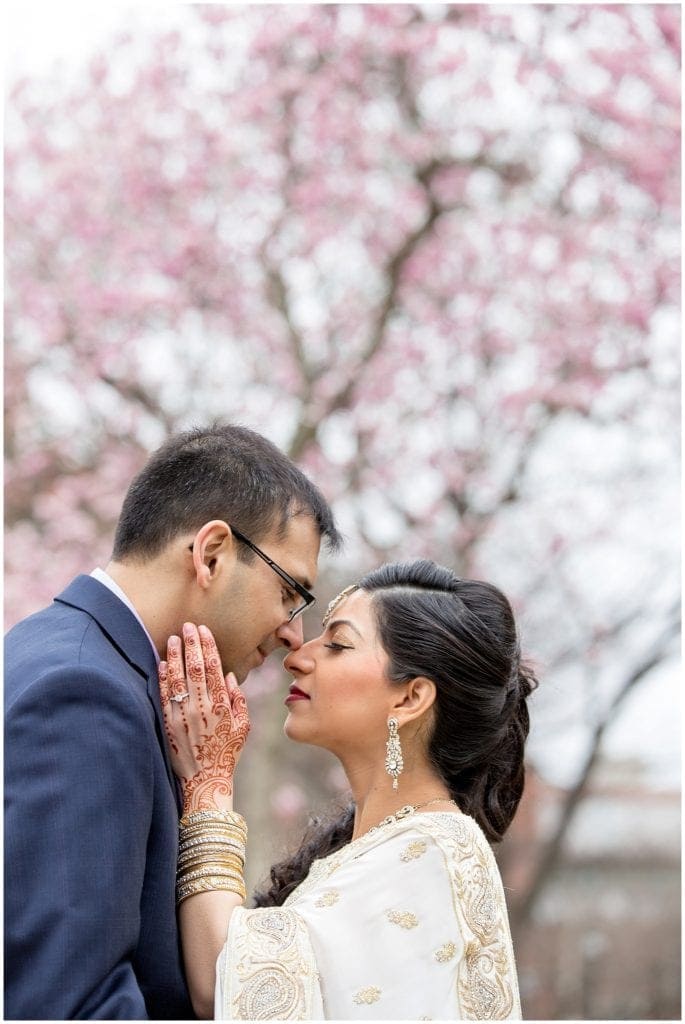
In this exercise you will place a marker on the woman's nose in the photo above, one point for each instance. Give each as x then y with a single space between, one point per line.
300 661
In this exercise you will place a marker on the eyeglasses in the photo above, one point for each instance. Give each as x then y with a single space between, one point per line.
308 599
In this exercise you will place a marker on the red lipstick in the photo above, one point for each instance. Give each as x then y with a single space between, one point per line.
295 693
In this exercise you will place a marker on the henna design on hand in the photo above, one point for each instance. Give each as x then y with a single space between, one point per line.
176 673
208 730
165 701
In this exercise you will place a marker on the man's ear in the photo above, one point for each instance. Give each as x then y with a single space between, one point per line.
211 544
415 699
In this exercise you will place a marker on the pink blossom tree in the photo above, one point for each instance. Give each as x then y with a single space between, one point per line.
431 251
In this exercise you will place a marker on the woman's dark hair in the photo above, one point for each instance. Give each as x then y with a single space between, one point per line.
462 635
218 472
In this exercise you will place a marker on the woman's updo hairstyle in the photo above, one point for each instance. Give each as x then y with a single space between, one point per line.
462 635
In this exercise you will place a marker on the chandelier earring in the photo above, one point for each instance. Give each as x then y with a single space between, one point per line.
393 752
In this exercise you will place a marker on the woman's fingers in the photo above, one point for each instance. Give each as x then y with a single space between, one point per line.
164 688
166 704
217 691
241 717
176 672
194 664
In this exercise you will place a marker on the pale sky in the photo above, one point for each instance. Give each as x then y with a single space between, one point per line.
39 34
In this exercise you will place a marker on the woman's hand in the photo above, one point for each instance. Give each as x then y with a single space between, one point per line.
206 719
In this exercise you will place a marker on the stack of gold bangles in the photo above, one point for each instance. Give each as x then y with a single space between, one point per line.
211 853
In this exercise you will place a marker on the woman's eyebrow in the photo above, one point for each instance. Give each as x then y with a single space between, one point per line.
344 622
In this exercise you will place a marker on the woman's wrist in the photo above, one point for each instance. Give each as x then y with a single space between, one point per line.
216 803
203 794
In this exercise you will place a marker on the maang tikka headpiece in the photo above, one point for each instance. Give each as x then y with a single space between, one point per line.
336 601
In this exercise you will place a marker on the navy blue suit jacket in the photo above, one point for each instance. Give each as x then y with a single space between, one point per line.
91 819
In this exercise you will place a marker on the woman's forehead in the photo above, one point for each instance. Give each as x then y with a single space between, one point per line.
354 606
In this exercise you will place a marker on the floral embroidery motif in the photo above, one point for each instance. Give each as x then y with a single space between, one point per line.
405 919
367 995
270 975
489 995
327 899
445 953
414 850
270 995
486 973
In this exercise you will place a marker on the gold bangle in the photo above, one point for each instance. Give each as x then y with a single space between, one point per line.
197 865
218 841
194 865
215 816
208 885
198 837
212 837
210 868
210 854
191 821
197 849
217 882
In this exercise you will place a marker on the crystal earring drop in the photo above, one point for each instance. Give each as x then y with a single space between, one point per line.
393 752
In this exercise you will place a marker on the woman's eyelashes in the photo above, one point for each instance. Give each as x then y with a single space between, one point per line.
333 645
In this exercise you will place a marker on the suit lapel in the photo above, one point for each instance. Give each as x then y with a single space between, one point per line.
125 633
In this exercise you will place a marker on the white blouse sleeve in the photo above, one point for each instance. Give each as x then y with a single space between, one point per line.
409 927
267 970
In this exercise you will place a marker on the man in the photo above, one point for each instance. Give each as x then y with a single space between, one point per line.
219 528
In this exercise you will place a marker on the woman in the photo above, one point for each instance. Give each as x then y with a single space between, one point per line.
396 910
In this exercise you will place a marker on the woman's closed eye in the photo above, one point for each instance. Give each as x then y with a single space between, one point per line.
334 646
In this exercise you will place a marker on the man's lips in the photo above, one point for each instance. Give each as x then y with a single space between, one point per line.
295 693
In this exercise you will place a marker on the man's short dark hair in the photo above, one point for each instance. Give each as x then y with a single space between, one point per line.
224 472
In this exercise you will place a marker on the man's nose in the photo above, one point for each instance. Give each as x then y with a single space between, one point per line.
291 634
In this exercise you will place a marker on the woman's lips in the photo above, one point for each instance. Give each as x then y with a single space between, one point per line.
296 694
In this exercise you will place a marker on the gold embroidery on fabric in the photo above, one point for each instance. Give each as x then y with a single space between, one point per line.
414 850
487 972
485 991
445 952
405 919
271 995
272 971
327 899
367 995
319 872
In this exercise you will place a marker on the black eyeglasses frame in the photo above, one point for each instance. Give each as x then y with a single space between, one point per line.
305 594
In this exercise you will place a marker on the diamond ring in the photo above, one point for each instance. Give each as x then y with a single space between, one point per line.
178 697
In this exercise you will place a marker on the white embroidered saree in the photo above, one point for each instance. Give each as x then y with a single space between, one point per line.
405 923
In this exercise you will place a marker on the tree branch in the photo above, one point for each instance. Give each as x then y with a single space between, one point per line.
306 432
522 910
